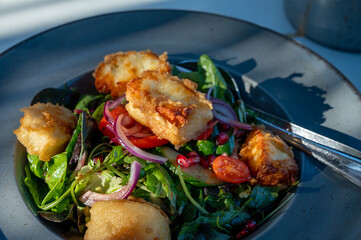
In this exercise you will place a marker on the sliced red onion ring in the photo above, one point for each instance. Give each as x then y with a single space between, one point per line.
89 197
226 111
115 103
208 95
106 112
231 122
109 105
123 140
225 114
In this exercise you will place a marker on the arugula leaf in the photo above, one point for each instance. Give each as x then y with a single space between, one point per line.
115 156
262 196
222 220
36 166
200 231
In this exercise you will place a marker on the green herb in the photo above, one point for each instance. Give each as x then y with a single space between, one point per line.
36 166
262 196
206 147
213 78
191 199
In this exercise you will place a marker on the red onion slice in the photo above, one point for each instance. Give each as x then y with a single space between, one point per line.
89 197
231 122
208 95
110 105
106 112
115 103
123 140
226 111
225 114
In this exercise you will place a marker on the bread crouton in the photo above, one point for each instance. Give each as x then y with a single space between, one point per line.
45 129
117 69
171 107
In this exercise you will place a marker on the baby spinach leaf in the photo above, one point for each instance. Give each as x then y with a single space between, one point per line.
55 177
262 196
98 113
36 166
37 188
89 101
213 77
194 76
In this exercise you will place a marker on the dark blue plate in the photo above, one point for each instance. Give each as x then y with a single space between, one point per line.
273 72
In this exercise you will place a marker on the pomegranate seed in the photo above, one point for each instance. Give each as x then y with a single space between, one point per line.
251 225
204 162
210 159
242 234
222 138
182 160
224 127
240 133
193 158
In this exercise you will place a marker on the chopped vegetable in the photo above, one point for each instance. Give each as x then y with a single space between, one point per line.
231 170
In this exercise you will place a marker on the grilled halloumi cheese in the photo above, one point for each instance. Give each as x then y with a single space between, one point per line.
171 107
117 69
131 218
45 129
269 159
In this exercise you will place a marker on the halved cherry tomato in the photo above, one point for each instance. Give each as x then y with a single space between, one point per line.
149 142
231 170
145 142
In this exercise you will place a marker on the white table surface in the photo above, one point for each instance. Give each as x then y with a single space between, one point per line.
20 19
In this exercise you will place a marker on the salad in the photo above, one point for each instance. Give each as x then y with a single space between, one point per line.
158 153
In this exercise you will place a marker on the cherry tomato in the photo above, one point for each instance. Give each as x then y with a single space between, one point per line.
231 170
149 142
145 142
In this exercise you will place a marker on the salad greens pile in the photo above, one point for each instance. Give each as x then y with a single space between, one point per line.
198 205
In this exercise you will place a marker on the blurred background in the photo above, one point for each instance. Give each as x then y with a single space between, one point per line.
20 19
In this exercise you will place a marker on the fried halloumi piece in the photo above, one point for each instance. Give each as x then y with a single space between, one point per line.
171 107
117 69
269 159
125 219
45 129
